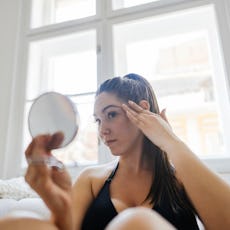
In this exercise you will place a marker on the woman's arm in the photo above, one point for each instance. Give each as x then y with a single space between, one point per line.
82 196
53 185
209 193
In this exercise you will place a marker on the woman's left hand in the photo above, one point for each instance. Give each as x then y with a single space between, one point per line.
154 126
51 182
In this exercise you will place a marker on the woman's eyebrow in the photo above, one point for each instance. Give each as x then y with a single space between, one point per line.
109 106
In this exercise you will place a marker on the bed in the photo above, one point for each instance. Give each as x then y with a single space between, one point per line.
19 200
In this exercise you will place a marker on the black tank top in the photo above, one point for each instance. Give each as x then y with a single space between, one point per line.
101 211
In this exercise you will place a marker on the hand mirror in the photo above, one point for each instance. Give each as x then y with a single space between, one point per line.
53 112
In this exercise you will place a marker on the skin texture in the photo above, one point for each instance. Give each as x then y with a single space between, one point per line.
25 223
139 218
122 126
115 129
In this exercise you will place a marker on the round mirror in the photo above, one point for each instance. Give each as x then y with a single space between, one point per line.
53 112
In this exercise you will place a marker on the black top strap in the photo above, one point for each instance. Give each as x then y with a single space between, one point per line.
113 173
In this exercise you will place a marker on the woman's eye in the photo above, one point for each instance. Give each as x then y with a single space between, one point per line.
111 115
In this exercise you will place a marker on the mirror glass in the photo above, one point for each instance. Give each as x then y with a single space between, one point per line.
53 112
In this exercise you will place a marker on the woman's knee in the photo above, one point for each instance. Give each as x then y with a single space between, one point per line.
139 218
25 223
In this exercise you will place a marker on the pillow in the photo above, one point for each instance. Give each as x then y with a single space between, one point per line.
16 188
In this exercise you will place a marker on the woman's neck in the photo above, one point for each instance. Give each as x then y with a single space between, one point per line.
134 164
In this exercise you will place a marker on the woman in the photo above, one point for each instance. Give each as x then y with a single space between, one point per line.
130 124
143 176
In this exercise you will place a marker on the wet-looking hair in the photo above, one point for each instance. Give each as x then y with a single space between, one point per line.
165 184
130 87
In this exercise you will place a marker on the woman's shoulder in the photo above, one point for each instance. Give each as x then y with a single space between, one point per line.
97 172
95 176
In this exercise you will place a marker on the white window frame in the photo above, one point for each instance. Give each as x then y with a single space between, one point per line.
103 22
218 164
222 8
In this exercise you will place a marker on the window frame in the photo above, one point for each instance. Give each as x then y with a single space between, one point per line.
103 21
222 10
222 164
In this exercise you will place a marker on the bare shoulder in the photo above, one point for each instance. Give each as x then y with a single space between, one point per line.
94 176
97 171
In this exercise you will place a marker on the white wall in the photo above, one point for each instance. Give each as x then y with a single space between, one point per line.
9 31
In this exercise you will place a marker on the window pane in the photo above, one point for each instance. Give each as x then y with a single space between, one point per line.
67 65
84 149
173 53
119 4
45 12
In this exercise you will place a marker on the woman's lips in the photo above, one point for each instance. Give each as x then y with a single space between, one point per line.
110 142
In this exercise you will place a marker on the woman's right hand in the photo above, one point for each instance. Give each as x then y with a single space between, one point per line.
51 183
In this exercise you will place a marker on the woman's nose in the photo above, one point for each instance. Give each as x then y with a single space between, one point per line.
104 129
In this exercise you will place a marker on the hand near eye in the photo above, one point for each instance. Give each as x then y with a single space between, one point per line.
154 126
51 183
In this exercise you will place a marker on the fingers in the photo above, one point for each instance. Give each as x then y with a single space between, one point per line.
135 110
140 110
43 144
29 149
163 115
38 146
56 140
40 160
137 107
134 115
139 116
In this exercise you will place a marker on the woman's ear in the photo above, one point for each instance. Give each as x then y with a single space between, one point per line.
144 104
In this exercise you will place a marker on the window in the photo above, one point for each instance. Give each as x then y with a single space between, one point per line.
174 52
67 64
46 12
70 46
118 4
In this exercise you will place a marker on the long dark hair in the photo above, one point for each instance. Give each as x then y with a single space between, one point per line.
165 184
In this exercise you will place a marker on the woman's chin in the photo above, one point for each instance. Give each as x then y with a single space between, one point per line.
115 153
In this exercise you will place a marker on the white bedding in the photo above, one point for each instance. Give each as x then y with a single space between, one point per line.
27 207
19 200
16 188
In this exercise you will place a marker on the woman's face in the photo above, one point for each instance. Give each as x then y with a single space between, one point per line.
115 129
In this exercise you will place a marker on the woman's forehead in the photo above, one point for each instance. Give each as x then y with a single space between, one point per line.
104 100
